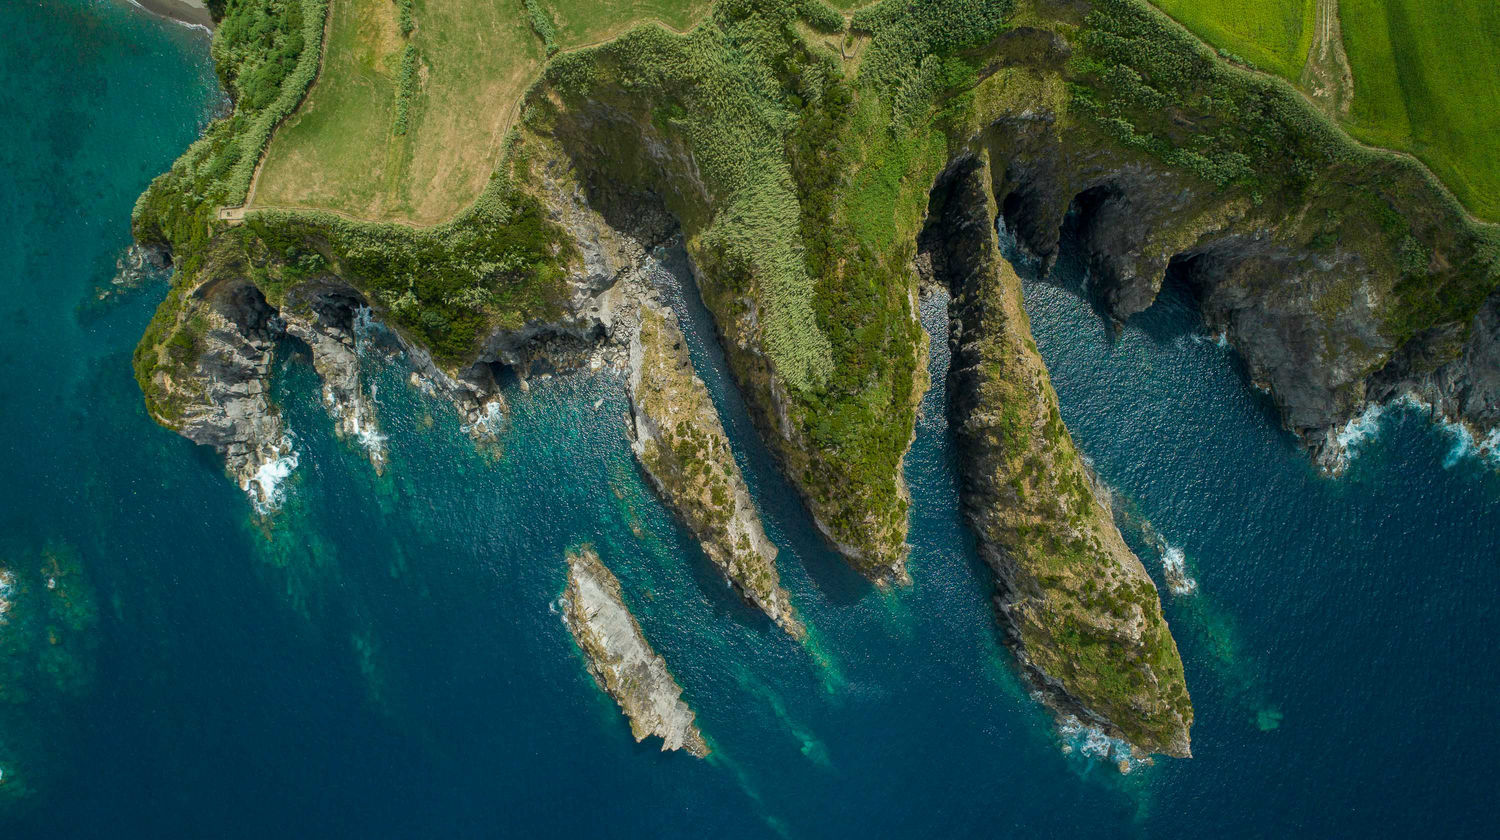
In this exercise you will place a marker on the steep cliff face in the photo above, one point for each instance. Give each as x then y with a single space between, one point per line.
1342 275
620 658
210 381
678 438
613 135
1080 613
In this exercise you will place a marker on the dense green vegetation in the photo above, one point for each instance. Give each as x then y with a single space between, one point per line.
406 88
1271 34
405 17
541 23
817 202
266 55
447 287
1252 137
1427 80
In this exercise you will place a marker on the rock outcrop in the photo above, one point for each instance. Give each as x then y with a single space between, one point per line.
620 658
676 434
324 320
1080 613
211 382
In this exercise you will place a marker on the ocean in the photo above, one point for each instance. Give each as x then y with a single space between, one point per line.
383 657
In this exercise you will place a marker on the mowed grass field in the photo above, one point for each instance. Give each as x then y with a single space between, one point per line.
341 152
1427 80
1426 74
1274 35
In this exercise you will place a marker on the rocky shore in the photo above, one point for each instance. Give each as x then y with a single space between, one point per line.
1080 613
620 658
679 440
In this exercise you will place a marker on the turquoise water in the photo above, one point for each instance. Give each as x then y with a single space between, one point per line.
384 659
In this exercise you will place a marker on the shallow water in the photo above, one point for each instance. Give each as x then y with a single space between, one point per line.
385 657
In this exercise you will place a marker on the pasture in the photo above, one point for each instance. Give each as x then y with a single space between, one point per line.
376 143
1273 35
1427 81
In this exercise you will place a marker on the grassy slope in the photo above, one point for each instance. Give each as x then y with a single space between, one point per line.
340 151
1427 80
1272 34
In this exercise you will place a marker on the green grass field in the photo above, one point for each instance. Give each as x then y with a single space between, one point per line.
342 151
583 22
1427 80
1271 34
1426 74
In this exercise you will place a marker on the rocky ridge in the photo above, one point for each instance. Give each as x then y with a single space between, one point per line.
1080 613
679 440
620 658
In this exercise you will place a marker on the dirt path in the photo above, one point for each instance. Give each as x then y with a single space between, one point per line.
1326 77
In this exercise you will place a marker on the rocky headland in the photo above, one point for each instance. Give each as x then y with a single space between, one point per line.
620 658
1080 613
679 440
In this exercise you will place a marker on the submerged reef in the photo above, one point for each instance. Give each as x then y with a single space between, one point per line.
820 168
48 617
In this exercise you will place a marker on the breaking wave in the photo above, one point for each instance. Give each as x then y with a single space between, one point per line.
1091 743
7 586
1174 568
267 487
1465 443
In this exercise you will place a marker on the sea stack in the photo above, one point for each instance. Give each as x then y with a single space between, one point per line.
621 659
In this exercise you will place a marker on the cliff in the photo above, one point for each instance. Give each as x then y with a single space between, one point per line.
620 658
678 438
1080 613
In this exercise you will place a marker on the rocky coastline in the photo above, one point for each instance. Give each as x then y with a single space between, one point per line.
621 660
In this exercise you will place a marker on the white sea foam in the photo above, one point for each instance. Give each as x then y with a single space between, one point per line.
1174 568
1359 430
491 420
1090 742
7 586
267 486
1465 445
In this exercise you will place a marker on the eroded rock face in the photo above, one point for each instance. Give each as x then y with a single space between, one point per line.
327 326
678 438
620 658
221 397
1080 613
1308 311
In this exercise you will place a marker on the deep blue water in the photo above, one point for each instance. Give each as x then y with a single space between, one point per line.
384 659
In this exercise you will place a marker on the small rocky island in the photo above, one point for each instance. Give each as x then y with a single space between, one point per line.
621 659
678 438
